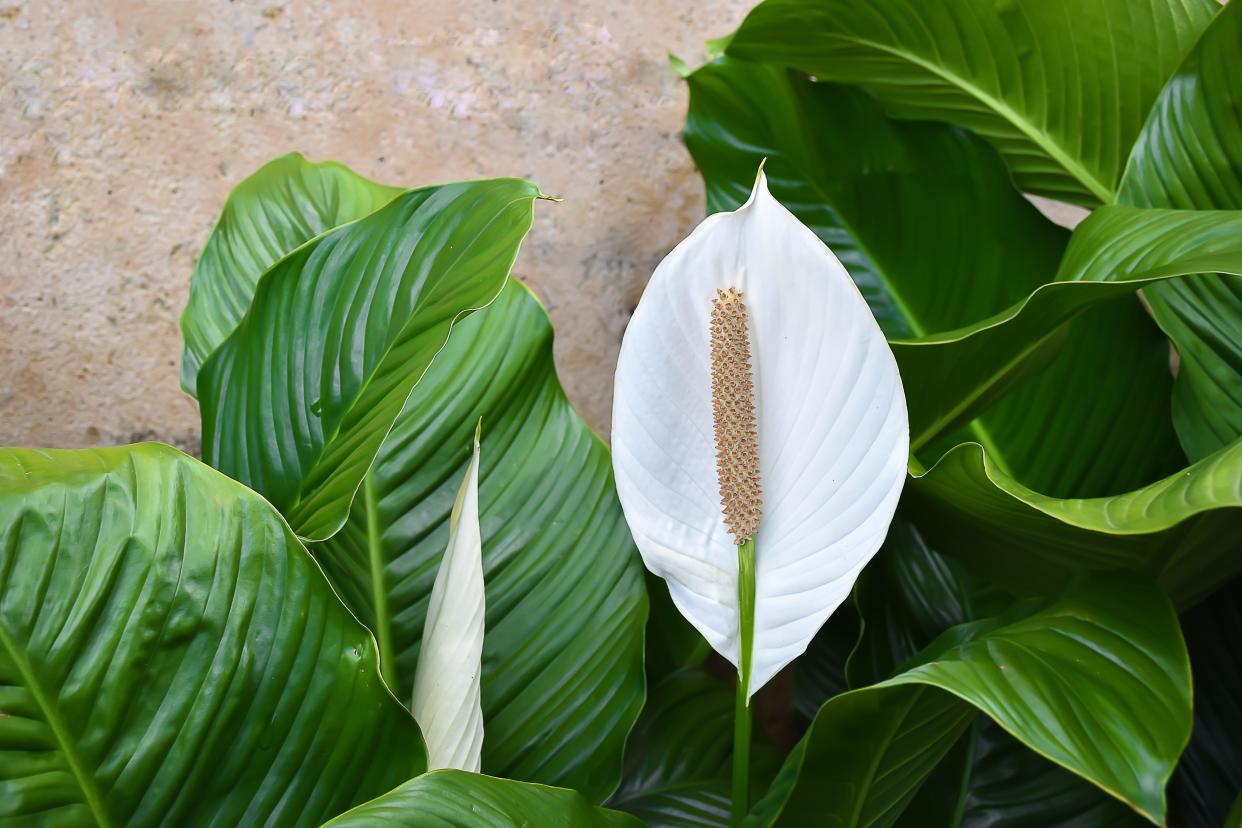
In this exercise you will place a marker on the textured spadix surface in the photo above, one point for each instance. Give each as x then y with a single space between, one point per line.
833 432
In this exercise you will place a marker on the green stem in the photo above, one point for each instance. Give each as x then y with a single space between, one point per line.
379 590
741 707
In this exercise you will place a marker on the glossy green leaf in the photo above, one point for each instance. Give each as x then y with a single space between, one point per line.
909 595
991 780
170 654
1189 156
1060 87
671 643
288 201
1209 777
1182 530
1096 680
562 654
456 799
1117 250
298 399
819 673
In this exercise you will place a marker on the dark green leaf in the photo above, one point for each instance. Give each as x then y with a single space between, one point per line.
672 643
298 399
1189 156
287 202
1060 87
563 651
1209 777
679 757
170 654
1097 681
456 799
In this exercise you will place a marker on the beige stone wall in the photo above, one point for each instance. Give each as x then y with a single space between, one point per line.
124 124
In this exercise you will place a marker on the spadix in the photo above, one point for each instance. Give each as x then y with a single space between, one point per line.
756 399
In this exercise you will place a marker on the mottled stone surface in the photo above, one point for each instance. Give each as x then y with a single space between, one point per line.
123 126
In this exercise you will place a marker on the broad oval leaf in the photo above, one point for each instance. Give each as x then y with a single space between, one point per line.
1096 680
446 683
169 653
1061 101
832 430
456 799
288 201
297 401
559 694
1189 157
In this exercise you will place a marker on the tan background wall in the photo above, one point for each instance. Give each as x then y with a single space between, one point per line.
124 124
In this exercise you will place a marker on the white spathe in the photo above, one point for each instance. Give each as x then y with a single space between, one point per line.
833 430
447 703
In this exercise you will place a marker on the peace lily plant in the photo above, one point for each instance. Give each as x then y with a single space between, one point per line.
937 500
759 439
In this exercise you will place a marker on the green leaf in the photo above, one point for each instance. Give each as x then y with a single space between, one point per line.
1189 156
1059 87
991 780
298 399
887 196
679 757
562 655
287 202
1209 777
170 654
1097 681
819 673
671 643
456 799
1117 250
1182 530
910 594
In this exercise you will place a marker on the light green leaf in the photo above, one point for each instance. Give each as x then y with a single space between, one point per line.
1182 530
288 201
1189 156
456 799
1097 681
298 399
1060 87
170 654
446 682
908 596
562 655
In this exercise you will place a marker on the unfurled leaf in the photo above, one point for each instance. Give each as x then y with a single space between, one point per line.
456 799
830 416
446 684
288 201
298 399
1060 87
1096 681
170 654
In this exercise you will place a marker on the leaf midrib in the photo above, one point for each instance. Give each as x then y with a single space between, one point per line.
86 782
1104 193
